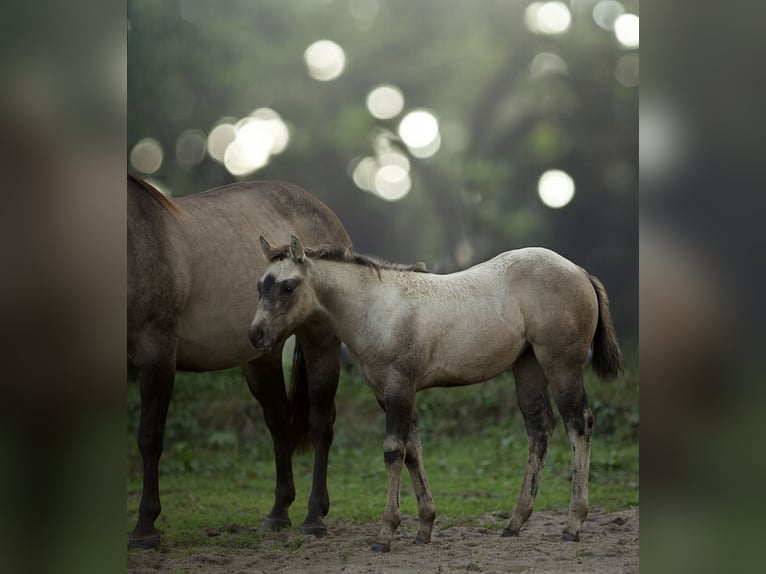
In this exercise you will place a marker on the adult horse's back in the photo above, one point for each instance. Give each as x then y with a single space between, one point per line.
192 266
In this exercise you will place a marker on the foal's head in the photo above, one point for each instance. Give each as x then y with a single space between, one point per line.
286 300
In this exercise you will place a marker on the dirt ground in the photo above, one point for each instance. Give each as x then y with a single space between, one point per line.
609 543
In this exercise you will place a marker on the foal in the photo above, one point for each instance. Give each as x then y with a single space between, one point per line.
529 309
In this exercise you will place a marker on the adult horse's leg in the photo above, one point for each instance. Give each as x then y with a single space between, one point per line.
156 375
414 462
399 405
267 384
535 406
565 375
322 355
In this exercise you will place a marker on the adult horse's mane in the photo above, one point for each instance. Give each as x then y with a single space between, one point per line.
152 192
347 255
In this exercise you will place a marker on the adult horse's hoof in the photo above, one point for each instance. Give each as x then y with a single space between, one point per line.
378 547
569 537
274 523
420 541
147 542
317 529
507 533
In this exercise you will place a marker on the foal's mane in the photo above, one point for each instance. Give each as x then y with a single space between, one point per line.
152 192
347 255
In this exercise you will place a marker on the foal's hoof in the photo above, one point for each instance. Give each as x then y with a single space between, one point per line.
378 547
420 541
317 529
275 523
569 537
146 542
508 532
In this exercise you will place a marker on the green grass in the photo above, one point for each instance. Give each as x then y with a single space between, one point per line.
217 471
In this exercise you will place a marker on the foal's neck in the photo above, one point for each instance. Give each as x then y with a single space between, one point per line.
347 292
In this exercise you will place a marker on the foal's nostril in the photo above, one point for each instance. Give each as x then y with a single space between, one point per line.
256 337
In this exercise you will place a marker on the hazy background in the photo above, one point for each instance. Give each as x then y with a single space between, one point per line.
444 131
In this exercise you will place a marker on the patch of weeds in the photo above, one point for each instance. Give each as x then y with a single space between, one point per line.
344 556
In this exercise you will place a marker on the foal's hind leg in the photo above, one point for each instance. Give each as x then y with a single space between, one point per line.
566 382
535 406
414 461
266 382
155 377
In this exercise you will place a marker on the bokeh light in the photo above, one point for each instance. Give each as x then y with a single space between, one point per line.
246 145
606 12
419 130
146 156
385 101
555 188
325 60
219 139
626 30
190 148
279 132
547 17
250 149
392 182
547 63
364 173
394 158
387 175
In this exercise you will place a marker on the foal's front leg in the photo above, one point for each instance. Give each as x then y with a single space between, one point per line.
399 403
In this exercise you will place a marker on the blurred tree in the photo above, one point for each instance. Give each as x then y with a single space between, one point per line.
511 104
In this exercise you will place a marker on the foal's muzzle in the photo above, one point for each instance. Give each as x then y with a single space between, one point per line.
258 339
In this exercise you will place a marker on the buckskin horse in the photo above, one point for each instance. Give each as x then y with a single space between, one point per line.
193 263
530 310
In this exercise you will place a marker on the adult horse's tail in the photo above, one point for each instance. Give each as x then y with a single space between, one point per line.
607 357
300 427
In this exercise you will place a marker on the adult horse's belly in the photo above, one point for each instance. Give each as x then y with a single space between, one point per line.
213 337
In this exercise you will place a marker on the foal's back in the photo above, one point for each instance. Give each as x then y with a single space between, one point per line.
475 323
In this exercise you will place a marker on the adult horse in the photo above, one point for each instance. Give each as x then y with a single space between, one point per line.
192 266
529 309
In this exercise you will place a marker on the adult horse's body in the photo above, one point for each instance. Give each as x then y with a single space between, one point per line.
193 263
530 310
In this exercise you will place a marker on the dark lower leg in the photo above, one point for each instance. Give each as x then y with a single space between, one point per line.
572 404
426 508
535 406
322 355
156 382
579 430
266 383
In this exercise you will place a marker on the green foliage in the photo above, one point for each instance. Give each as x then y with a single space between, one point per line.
217 471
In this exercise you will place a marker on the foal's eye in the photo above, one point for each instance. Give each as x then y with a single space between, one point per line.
288 287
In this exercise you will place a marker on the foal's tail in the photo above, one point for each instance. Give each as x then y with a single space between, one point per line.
300 428
607 357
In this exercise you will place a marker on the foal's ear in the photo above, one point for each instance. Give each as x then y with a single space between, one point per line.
265 247
296 249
